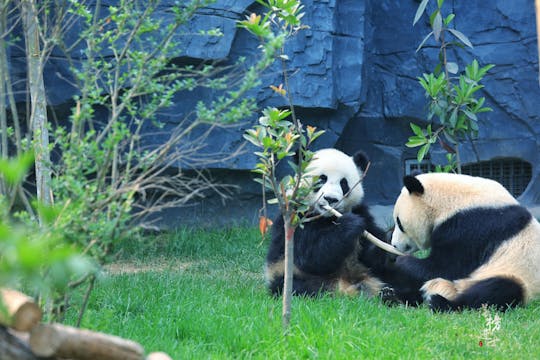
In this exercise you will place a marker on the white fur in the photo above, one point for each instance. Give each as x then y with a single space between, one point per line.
335 165
445 195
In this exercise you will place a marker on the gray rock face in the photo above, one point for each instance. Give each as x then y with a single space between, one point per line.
353 73
503 33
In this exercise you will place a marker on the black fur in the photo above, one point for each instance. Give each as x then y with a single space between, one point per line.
413 185
361 160
321 247
498 292
459 246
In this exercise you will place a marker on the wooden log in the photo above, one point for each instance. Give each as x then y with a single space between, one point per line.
13 348
158 356
69 342
22 312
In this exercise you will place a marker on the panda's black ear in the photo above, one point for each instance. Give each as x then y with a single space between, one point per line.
413 185
361 160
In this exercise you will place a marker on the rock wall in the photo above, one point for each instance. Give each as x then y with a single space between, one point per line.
354 74
503 33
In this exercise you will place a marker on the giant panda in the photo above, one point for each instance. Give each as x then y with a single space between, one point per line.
330 256
484 247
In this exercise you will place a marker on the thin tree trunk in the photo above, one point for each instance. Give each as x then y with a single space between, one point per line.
3 108
38 114
8 85
288 276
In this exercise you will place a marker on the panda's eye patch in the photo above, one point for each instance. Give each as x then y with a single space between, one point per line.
399 225
320 182
344 186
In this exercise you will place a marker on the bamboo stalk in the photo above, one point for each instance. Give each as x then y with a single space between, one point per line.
374 240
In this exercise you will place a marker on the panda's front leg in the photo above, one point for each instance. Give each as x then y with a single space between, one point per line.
323 248
406 276
350 226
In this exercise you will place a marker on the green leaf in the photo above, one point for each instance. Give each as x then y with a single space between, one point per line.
14 170
453 117
415 142
484 70
420 11
422 152
470 115
417 130
450 137
452 67
437 69
437 26
267 142
484 109
252 139
449 19
464 39
424 41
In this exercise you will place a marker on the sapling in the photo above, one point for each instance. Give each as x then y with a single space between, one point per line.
279 138
452 97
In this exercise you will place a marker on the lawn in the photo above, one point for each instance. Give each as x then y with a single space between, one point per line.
200 295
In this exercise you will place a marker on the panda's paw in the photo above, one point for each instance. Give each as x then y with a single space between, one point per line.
352 224
438 303
388 295
438 287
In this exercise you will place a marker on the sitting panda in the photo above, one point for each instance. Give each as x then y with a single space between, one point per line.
485 247
330 255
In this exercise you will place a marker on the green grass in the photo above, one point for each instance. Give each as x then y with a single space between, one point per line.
205 299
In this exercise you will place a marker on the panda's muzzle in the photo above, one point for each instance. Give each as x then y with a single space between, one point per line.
331 200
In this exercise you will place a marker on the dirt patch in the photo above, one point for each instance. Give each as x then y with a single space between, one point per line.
132 267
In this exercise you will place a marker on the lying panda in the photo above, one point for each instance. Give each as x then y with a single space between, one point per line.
329 253
485 247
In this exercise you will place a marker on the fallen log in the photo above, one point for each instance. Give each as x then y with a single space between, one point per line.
13 348
68 342
158 356
22 313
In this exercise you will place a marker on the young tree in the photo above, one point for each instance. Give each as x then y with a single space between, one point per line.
280 138
108 173
452 98
38 107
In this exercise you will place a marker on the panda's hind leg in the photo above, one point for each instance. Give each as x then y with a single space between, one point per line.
499 292
302 286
